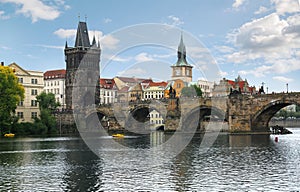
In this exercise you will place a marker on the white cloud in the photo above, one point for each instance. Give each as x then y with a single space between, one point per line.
109 41
176 21
261 10
65 33
136 72
106 41
143 57
3 16
286 6
238 3
224 49
283 79
279 66
261 34
36 9
107 20
223 73
270 43
5 48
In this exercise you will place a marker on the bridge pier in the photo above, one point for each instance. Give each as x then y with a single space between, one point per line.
239 123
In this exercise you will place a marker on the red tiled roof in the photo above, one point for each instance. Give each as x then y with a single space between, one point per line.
55 74
230 82
147 81
241 84
163 84
107 83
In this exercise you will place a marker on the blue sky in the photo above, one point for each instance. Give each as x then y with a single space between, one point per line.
257 39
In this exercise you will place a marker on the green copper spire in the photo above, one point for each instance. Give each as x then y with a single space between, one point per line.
181 54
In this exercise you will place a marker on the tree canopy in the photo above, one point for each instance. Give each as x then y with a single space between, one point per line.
47 101
11 93
47 104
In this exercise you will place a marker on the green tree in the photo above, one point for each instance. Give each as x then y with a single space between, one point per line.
47 101
191 91
47 122
297 108
198 90
11 93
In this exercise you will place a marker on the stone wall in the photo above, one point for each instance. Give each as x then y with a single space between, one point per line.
65 123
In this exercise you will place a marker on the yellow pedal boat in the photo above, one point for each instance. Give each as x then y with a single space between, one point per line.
9 135
118 135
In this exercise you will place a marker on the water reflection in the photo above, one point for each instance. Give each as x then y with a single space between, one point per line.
84 170
249 140
233 162
157 138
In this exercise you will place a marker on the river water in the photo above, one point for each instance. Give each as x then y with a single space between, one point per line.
232 163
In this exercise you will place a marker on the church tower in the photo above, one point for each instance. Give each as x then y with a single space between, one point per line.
181 69
83 59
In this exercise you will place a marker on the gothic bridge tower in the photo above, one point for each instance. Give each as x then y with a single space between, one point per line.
182 69
83 59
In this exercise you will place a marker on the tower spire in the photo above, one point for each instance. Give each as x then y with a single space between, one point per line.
181 53
82 36
94 41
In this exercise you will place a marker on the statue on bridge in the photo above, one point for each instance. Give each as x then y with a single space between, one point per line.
172 93
261 90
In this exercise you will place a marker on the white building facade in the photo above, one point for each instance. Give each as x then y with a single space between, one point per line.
54 82
33 83
153 90
108 91
156 120
206 87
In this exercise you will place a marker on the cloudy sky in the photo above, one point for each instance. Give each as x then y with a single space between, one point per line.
257 39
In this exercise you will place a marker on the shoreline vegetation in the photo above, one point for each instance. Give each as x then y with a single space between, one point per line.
37 128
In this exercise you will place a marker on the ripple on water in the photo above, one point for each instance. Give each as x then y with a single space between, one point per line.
65 164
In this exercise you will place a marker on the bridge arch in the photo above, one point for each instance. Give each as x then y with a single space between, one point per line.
260 121
94 117
201 114
139 116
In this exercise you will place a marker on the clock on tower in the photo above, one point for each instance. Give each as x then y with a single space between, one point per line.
182 69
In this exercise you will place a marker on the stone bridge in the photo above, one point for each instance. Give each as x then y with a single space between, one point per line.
242 113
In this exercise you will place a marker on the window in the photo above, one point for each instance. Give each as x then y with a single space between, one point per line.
34 81
20 115
20 80
33 103
20 103
33 91
33 115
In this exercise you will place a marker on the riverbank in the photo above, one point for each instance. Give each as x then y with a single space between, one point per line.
288 123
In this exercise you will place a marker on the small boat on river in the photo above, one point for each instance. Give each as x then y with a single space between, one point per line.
118 135
9 135
280 130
